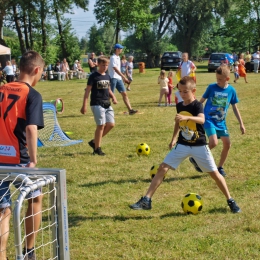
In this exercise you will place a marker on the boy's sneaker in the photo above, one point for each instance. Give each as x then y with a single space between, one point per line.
221 171
233 206
132 112
99 152
144 203
29 255
196 166
92 144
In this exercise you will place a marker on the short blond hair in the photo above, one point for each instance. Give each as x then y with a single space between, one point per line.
223 70
163 74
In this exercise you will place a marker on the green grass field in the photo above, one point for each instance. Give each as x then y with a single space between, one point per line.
100 189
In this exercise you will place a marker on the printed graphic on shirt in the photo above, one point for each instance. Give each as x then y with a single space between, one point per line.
188 129
219 103
103 84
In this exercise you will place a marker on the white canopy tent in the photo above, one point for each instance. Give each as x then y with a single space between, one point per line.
5 55
5 50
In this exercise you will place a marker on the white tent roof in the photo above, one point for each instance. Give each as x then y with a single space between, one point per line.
4 50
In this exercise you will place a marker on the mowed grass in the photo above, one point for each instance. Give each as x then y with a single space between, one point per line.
100 189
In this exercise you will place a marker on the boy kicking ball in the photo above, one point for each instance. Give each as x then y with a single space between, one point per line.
188 140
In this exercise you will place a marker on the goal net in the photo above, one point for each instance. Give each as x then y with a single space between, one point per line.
52 135
52 240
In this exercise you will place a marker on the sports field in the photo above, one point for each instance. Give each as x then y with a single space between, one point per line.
100 189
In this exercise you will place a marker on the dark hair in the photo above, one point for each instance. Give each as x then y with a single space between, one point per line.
30 60
188 81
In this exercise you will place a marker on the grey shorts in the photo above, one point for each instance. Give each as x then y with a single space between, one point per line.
201 154
103 115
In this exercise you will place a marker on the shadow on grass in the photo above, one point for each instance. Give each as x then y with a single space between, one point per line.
95 184
76 220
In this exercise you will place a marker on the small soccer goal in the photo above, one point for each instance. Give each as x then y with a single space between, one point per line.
52 240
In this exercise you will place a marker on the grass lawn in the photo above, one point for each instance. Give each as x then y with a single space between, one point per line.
100 189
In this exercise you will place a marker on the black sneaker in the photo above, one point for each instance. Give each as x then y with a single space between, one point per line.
221 171
196 166
92 144
132 112
29 254
99 152
233 206
144 203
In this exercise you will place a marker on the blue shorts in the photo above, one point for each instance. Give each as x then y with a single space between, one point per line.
5 195
117 84
218 133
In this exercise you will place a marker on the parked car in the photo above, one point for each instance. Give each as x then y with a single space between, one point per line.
171 60
216 59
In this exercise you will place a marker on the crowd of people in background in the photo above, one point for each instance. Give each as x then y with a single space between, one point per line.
242 65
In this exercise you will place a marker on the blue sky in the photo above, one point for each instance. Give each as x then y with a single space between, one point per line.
82 21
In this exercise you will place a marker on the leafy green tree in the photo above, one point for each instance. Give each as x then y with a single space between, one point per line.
146 44
124 14
193 17
96 42
83 44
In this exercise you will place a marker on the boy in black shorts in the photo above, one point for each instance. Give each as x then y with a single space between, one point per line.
188 140
99 86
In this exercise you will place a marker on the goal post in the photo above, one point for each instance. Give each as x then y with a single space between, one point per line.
55 233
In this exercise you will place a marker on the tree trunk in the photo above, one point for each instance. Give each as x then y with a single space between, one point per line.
19 31
25 30
44 32
30 33
117 24
62 38
150 59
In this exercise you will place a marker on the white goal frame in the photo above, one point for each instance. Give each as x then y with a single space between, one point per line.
35 178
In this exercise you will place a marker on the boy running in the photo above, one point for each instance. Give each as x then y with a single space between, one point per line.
219 96
188 140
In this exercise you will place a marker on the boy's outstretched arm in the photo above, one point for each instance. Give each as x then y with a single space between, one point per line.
239 118
175 135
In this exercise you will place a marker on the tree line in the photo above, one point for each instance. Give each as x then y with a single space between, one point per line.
198 27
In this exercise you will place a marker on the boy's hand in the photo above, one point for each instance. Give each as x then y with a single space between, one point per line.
172 144
242 129
83 110
126 80
179 118
114 100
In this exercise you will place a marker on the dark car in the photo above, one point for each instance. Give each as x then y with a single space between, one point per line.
171 60
216 59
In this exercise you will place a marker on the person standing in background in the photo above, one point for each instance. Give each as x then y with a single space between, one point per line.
186 66
65 68
248 58
9 71
129 71
92 62
256 57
